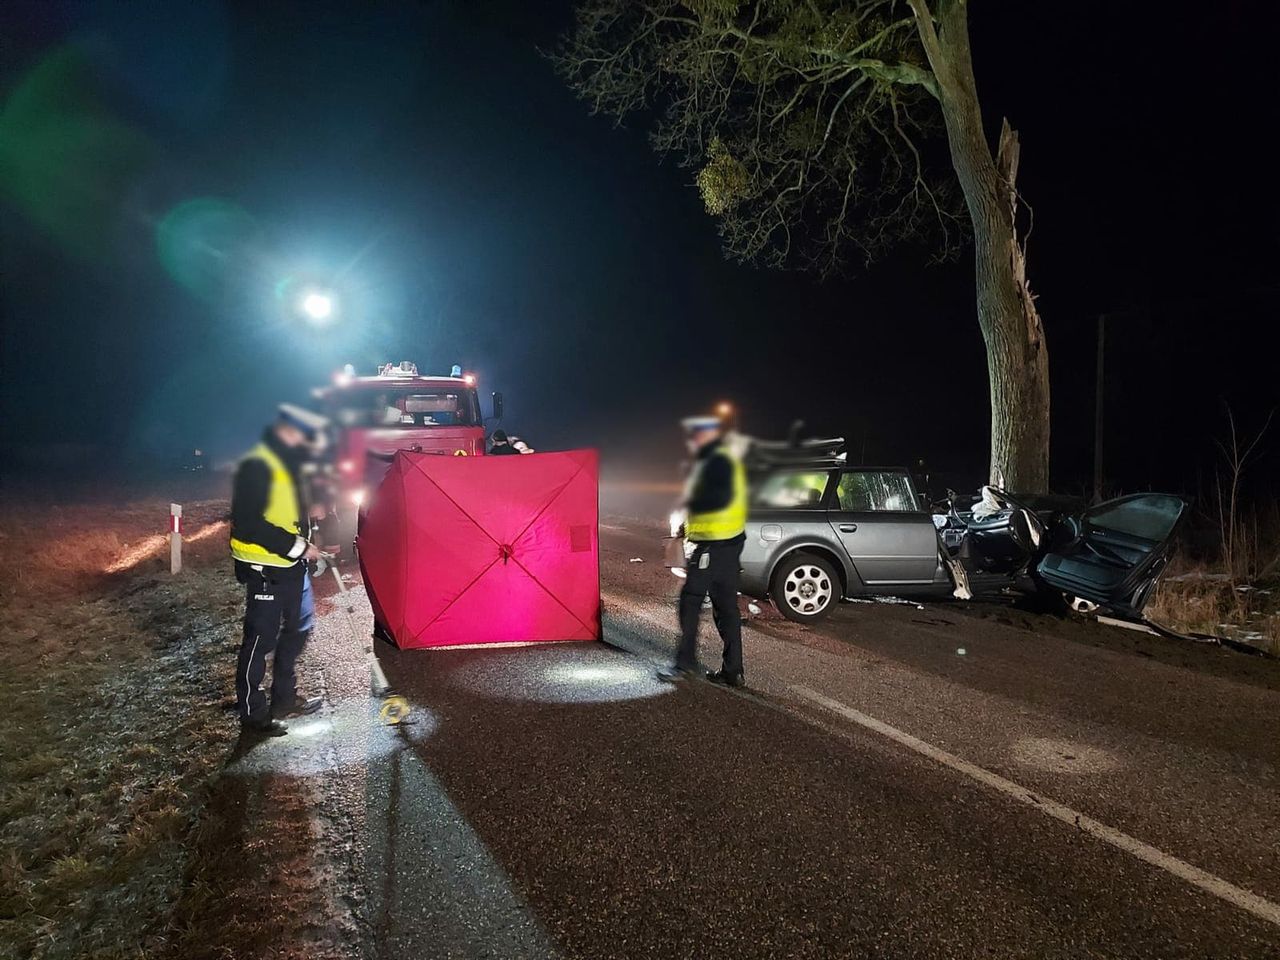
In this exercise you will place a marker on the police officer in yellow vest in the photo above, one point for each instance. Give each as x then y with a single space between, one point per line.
269 524
716 505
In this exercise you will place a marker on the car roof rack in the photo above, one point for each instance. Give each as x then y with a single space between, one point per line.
818 453
799 446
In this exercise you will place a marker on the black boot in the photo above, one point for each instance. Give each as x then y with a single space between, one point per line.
298 707
728 679
678 674
269 727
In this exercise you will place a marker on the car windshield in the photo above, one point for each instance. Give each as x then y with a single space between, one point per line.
405 407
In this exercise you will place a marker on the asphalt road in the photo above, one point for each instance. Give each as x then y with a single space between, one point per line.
904 782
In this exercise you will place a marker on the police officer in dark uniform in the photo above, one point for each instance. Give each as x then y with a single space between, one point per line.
502 445
269 523
716 522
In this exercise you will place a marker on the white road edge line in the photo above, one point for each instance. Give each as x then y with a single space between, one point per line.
1258 906
1244 899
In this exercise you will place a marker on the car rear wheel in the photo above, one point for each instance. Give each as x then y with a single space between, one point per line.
805 588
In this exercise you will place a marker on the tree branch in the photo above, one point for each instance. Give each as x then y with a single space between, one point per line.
798 114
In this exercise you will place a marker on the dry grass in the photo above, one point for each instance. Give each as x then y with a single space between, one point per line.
112 729
256 886
81 546
119 837
1193 598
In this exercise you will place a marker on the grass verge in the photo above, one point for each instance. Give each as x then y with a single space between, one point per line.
113 684
1194 599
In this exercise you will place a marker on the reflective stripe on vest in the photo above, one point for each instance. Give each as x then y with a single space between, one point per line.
729 521
281 511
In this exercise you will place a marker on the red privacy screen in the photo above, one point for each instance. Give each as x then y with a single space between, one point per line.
459 550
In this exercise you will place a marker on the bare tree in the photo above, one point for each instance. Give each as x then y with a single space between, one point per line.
1240 542
810 123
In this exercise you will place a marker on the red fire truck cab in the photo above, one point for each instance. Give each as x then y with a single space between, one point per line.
398 409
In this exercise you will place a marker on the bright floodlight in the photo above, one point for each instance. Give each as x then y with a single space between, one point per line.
317 306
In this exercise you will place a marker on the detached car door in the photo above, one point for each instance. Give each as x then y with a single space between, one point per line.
877 517
1116 552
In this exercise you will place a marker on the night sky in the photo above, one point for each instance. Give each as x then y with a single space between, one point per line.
429 156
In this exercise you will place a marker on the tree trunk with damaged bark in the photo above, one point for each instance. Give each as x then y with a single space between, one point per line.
820 161
1017 356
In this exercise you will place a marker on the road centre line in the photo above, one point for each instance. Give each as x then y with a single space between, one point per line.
1244 899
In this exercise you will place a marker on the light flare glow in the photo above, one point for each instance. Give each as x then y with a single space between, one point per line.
317 306
148 547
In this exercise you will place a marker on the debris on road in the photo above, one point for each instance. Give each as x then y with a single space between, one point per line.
1127 624
636 560
897 601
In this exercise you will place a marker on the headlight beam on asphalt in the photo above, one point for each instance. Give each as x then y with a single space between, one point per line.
561 673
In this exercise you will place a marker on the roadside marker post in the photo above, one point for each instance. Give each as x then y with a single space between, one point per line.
175 537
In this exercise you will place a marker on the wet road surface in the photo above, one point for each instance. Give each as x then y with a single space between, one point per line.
875 793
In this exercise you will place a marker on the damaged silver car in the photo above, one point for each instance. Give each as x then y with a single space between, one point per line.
820 531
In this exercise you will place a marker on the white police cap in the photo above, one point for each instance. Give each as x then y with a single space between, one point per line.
694 424
308 421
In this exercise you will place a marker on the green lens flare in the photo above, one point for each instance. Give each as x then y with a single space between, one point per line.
201 241
65 162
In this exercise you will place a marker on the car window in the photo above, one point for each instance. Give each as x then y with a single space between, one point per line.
1150 517
871 490
791 489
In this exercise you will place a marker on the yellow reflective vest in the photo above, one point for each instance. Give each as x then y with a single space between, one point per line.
727 522
282 510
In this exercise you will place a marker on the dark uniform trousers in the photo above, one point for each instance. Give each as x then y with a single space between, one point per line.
713 569
278 612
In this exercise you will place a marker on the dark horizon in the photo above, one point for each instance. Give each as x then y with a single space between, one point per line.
483 217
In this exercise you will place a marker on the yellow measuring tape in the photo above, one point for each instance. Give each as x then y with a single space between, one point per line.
394 709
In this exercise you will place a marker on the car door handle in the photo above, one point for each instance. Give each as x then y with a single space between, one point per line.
848 527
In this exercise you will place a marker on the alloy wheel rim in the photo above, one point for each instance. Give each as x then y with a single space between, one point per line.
807 589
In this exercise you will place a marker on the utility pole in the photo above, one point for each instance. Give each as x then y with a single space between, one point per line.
1099 380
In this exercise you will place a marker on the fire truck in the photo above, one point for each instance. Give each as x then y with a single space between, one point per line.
397 409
